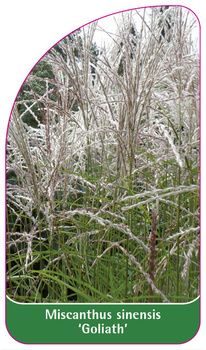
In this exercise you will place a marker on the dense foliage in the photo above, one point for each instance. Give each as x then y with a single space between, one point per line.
103 167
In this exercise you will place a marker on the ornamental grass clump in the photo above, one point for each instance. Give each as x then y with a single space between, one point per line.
103 166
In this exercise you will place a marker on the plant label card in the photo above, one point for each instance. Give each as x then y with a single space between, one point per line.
102 176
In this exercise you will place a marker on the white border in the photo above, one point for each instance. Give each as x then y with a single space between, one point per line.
91 304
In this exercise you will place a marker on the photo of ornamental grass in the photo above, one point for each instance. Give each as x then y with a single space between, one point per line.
103 165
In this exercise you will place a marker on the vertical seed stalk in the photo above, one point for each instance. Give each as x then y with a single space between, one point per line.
152 250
